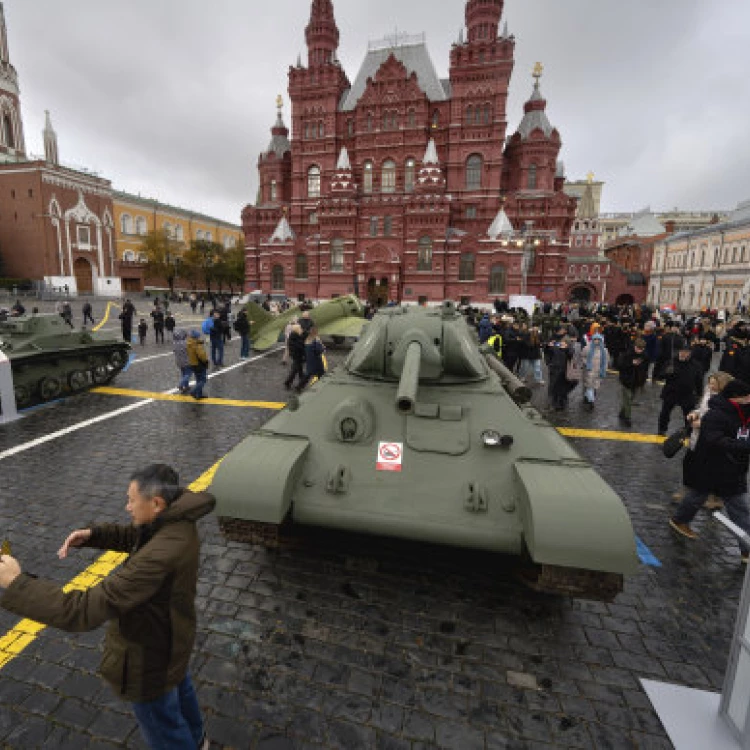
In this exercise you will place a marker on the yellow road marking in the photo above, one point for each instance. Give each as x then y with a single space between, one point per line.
106 316
27 631
628 437
188 399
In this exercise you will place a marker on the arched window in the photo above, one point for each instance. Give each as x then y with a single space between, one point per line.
321 129
470 115
409 172
140 225
307 130
229 241
126 224
497 279
474 172
8 132
209 237
531 184
435 118
168 228
313 182
367 186
273 191
389 176
179 232
466 267
350 127
388 226
412 118
487 114
369 122
478 115
277 278
337 255
424 254
300 267
199 235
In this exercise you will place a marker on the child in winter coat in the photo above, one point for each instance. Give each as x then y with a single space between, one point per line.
182 361
198 360
142 331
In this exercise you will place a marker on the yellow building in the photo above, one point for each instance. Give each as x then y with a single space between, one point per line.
135 217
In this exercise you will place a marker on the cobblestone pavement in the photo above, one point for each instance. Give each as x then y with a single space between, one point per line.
355 643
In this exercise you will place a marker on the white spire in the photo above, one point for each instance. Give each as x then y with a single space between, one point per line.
501 227
430 156
283 232
50 141
505 30
344 165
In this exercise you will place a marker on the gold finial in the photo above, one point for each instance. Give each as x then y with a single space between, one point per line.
279 102
590 177
538 70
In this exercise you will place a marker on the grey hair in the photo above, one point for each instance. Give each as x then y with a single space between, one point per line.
158 480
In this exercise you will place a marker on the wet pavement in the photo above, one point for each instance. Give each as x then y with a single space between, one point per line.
355 643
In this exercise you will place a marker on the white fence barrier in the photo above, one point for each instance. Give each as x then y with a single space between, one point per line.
7 394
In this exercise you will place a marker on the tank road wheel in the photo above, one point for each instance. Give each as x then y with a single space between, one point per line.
117 359
23 396
78 381
100 374
50 388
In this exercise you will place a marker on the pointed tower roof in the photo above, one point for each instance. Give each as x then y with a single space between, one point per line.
535 117
50 141
343 163
501 228
342 181
430 155
587 206
322 33
283 231
279 144
430 178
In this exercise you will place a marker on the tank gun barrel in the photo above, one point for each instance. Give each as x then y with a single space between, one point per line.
406 396
517 390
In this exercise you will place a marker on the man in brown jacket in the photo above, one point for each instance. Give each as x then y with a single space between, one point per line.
149 603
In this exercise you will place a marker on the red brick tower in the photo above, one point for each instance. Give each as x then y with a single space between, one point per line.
12 143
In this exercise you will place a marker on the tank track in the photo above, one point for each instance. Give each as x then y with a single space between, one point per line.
546 579
99 364
573 582
269 535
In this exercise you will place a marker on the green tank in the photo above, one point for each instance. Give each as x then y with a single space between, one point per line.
422 435
50 359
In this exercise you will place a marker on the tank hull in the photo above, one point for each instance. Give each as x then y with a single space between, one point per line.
50 360
537 496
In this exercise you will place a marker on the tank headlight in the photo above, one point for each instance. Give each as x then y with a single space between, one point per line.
491 439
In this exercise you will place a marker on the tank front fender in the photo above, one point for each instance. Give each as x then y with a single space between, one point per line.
255 481
572 518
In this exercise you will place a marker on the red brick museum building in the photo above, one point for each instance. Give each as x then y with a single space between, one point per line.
403 186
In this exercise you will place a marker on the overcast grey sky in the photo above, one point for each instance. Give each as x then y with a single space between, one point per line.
174 99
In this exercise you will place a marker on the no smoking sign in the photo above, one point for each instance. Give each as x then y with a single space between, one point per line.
390 456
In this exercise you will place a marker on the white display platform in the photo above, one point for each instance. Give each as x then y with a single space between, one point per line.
691 717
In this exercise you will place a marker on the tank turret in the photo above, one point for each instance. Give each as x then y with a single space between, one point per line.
422 435
49 359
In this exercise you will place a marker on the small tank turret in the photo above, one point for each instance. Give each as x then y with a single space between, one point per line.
50 359
422 435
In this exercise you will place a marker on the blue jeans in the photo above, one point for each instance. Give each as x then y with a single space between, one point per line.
201 376
736 507
185 375
172 722
529 367
217 350
244 346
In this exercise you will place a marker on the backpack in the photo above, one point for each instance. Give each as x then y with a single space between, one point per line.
574 371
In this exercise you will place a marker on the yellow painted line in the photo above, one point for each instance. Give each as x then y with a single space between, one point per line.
110 305
188 399
22 635
626 437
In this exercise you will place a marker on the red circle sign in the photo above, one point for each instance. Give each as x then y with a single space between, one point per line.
390 452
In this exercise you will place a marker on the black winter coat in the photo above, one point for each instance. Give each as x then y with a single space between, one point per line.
296 346
720 461
633 375
685 382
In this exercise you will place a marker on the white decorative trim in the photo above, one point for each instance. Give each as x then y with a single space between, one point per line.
73 184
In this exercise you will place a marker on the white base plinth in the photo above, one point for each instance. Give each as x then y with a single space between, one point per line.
691 717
